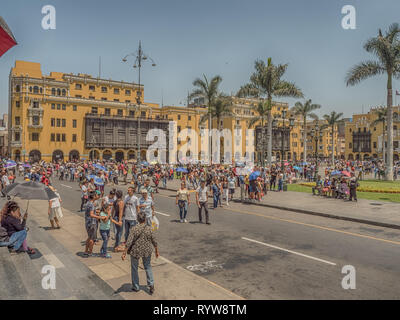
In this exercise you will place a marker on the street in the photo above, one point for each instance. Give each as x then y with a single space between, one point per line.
263 253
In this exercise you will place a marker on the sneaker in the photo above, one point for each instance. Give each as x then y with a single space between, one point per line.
181 221
135 290
185 220
107 256
151 289
208 222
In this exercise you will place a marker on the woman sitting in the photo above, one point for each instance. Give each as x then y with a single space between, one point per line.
15 228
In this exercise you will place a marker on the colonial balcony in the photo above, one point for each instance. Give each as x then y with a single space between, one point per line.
35 126
16 144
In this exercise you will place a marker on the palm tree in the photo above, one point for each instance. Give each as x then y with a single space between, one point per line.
332 120
209 91
266 82
387 49
305 110
381 114
262 109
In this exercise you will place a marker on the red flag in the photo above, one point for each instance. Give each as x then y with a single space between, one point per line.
7 39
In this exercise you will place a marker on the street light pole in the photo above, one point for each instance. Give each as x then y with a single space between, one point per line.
139 57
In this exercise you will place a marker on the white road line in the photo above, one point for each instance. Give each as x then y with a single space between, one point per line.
164 214
65 186
290 251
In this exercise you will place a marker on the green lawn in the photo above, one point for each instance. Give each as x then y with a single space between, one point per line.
361 195
380 184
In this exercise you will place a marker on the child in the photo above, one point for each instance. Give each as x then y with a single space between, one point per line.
55 211
105 224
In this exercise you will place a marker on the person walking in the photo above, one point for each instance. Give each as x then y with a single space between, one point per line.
231 186
105 226
183 201
84 194
202 201
139 245
353 184
131 205
55 212
91 221
146 205
216 193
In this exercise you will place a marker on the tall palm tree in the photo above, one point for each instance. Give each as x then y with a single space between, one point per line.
333 119
266 82
209 91
305 110
387 50
262 109
381 114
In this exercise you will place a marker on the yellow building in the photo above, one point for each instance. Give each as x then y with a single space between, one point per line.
364 139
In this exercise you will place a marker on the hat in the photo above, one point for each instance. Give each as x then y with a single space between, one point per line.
143 191
98 192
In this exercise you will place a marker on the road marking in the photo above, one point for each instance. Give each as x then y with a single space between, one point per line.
65 186
163 214
290 251
308 225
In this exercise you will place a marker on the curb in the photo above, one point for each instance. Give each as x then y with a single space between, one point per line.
315 213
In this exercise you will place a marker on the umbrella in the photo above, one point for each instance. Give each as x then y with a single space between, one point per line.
346 173
296 168
254 175
336 173
240 164
27 165
99 167
303 163
181 169
10 164
145 163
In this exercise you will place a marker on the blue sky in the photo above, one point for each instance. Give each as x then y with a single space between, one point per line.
188 38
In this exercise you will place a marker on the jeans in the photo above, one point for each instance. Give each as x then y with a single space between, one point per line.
280 185
128 225
183 208
216 200
105 235
134 271
205 206
118 234
16 240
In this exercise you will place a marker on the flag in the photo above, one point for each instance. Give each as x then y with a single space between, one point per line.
7 39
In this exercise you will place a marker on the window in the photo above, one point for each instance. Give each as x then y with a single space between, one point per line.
35 136
127 92
116 91
120 112
94 110
30 89
58 123
116 100
58 137
394 127
78 86
74 137
350 145
78 96
58 92
395 144
179 129
74 107
53 91
63 137
143 114
107 111
104 89
17 88
64 92
35 89
53 106
52 137
189 118
64 123
58 106
131 113
128 101
53 122
91 97
179 117
17 104
35 120
374 145
17 136
104 99
92 88
36 104
74 123
64 107
17 121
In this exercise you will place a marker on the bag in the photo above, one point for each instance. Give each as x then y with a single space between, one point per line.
155 224
4 235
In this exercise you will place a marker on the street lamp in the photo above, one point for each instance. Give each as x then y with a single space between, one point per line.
283 128
316 133
139 56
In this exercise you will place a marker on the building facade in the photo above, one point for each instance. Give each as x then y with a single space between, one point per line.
4 136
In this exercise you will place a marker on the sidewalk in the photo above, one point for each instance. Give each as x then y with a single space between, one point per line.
378 213
172 282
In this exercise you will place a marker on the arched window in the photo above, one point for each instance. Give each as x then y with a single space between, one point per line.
58 92
41 90
30 89
64 92
35 89
17 88
53 91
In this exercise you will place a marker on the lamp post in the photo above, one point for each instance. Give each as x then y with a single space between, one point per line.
316 133
140 57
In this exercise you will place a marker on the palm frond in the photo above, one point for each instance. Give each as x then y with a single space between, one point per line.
363 71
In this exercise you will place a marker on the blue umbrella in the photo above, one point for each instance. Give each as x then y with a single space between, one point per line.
97 180
145 163
336 173
296 168
99 167
303 163
181 169
27 165
254 175
10 164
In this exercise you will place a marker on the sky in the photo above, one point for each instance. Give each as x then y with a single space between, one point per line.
188 38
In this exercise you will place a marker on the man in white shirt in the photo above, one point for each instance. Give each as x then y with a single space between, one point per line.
131 209
202 200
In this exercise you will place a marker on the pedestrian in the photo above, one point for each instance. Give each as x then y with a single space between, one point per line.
55 212
131 205
139 245
105 225
183 201
216 193
202 201
117 219
91 221
146 205
353 184
84 194
231 186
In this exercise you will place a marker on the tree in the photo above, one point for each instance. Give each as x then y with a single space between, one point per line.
387 50
221 108
333 119
305 110
266 82
381 114
209 91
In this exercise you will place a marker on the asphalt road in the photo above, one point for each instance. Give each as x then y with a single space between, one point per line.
262 253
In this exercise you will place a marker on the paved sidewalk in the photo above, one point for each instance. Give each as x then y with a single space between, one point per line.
171 281
379 213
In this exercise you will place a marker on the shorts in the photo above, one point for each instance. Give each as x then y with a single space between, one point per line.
92 232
